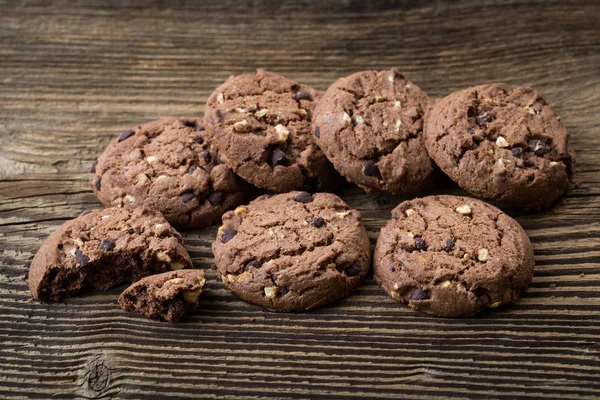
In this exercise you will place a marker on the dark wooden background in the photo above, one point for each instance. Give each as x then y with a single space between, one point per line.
75 73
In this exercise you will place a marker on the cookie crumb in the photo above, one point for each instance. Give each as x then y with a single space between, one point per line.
582 275
553 286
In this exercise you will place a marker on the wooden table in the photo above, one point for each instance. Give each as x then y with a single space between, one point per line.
74 75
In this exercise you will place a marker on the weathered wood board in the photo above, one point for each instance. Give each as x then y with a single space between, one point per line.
74 74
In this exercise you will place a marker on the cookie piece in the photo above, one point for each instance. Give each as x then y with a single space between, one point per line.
170 165
501 143
370 126
168 296
452 256
293 251
262 126
102 249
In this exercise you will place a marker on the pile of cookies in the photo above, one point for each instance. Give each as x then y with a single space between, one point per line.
303 248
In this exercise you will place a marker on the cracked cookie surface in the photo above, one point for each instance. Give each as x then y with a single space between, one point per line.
293 251
452 256
104 248
168 296
171 165
262 127
370 126
501 143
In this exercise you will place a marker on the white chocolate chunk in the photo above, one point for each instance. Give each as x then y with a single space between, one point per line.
151 159
220 98
163 256
271 292
501 142
464 209
191 296
282 133
483 254
346 118
409 212
241 126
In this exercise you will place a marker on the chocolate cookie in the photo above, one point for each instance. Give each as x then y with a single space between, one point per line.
501 143
170 165
293 251
262 126
102 249
167 296
370 126
452 256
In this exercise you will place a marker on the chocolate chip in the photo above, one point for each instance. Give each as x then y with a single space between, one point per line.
471 131
537 146
419 294
354 269
264 197
215 198
98 183
371 169
227 234
407 248
420 244
317 222
449 245
302 95
187 196
206 156
350 270
317 132
251 265
126 134
283 290
187 123
277 157
517 152
199 128
219 161
304 197
274 278
392 269
193 168
86 212
107 245
199 139
94 165
81 258
484 119
528 161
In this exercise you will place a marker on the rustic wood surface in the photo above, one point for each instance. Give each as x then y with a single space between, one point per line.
75 73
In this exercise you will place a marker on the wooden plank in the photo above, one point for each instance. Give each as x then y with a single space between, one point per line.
73 74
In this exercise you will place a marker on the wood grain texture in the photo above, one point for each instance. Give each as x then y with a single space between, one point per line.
74 74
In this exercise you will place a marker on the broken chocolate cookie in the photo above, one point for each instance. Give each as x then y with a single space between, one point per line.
102 249
168 296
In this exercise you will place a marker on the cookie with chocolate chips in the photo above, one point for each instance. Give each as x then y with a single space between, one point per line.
104 248
293 251
501 143
171 165
262 127
370 126
452 256
167 296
